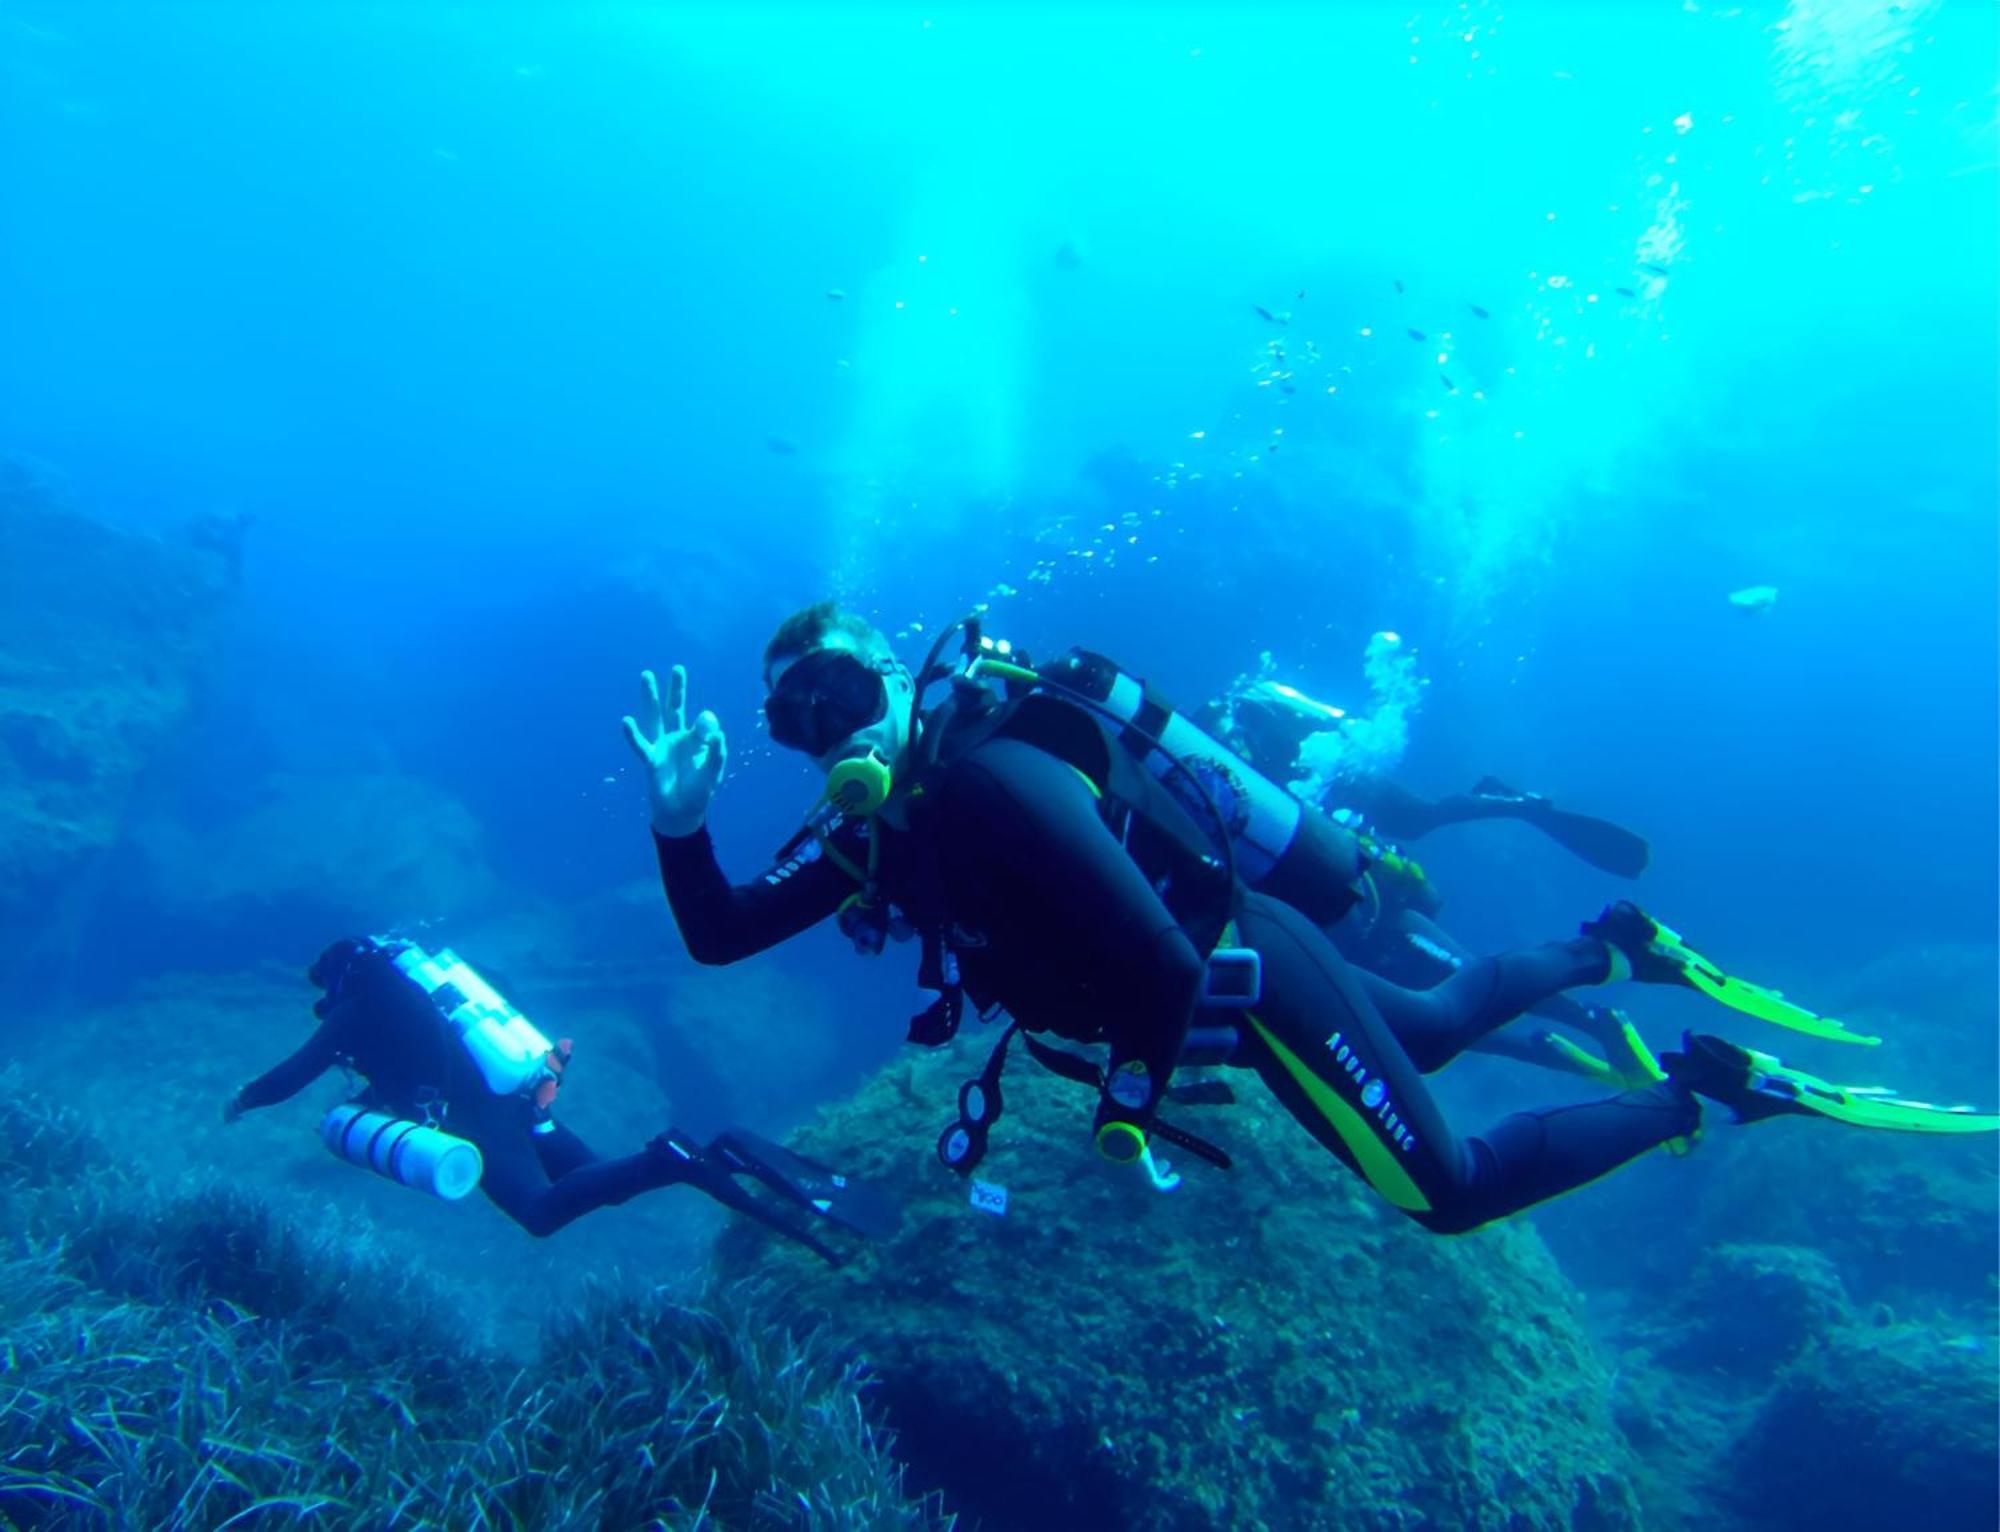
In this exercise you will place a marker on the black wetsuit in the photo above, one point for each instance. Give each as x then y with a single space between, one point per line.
1059 923
537 1172
1391 940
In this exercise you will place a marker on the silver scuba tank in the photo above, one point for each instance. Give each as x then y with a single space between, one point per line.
428 1159
512 1055
1280 847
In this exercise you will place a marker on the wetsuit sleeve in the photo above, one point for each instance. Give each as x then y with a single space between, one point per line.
315 1057
723 922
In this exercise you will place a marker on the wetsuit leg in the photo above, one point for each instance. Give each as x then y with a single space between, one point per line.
561 1151
518 1183
1482 995
1445 952
1413 951
1326 1052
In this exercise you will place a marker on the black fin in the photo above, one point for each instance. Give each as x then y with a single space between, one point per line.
1607 847
813 1186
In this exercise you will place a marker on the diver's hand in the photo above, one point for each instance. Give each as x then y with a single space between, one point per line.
683 765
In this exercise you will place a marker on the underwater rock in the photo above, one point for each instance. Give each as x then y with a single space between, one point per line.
104 639
320 857
1268 1346
1896 1213
1749 1308
1877 1428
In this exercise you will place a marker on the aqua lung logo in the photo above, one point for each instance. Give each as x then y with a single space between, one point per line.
1374 1094
808 854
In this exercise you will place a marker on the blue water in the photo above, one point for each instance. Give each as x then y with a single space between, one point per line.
543 344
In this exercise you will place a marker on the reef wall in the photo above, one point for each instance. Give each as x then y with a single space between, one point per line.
105 636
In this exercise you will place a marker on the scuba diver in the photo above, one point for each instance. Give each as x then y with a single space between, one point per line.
1393 932
460 1087
1072 851
1269 724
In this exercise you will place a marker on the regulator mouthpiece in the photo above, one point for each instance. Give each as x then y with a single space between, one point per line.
859 785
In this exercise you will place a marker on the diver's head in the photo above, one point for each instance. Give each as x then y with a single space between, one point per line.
835 689
1272 721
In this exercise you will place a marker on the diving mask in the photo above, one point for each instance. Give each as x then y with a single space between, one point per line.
826 697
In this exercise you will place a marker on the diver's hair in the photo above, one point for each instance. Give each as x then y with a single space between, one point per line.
807 628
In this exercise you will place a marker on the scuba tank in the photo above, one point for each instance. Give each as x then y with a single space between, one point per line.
409 1153
1279 848
513 1056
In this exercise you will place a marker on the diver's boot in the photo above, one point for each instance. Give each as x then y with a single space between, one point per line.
1635 936
1735 1077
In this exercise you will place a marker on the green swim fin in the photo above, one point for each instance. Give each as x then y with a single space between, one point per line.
1608 847
1628 1064
1659 956
1755 1000
1574 1058
1756 1085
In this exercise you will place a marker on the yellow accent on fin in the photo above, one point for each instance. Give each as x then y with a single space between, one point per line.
1753 999
1871 1106
1581 1061
1647 1068
1378 1163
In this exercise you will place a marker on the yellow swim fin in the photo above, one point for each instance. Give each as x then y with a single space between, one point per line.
1659 956
1757 1085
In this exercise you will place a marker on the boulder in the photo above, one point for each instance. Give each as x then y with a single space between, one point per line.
1877 1427
1265 1346
1749 1308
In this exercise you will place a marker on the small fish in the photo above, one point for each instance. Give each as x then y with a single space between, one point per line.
836 294
1478 312
1625 292
1399 284
1654 268
781 447
1445 379
1298 295
1418 335
1266 314
1754 599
